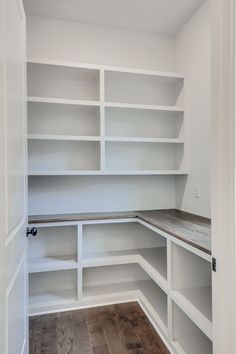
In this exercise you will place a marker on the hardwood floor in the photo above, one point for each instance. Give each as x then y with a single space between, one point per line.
116 329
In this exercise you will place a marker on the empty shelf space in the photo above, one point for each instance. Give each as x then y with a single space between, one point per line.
53 248
63 155
200 298
155 297
61 119
46 80
145 140
153 260
62 137
106 173
158 74
52 288
144 156
142 89
51 298
106 280
145 107
120 279
49 263
192 287
127 242
62 101
187 337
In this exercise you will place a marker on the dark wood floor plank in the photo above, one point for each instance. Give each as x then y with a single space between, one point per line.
82 344
108 318
64 333
116 329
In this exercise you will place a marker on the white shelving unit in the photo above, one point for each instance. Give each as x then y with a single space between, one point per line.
90 263
78 114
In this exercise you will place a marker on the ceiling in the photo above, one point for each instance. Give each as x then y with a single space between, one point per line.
155 16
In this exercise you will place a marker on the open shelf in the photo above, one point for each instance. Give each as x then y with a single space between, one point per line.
63 82
144 140
135 88
54 248
115 280
122 243
63 101
144 107
187 337
63 155
62 137
155 258
52 288
192 287
144 156
69 120
106 173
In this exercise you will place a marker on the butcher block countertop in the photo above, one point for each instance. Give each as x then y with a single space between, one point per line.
192 229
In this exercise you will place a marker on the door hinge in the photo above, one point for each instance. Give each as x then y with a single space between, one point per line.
213 264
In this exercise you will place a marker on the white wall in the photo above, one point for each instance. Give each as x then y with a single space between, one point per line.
193 58
188 52
63 40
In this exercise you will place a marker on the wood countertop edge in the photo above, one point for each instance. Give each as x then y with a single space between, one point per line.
126 215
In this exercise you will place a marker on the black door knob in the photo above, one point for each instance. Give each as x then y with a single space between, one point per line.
31 231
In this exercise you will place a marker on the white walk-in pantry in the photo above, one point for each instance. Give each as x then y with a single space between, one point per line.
115 137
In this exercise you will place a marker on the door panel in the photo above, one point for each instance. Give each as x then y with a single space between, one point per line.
15 129
13 181
16 324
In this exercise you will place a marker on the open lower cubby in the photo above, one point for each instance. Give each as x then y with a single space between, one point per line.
55 247
125 243
138 88
192 286
144 156
52 288
117 279
187 337
67 82
63 155
125 122
192 279
62 119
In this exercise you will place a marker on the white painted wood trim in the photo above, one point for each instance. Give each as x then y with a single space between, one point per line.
223 172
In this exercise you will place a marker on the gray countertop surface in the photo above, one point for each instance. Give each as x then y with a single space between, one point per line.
192 229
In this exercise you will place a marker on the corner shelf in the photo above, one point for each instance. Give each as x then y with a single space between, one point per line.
152 260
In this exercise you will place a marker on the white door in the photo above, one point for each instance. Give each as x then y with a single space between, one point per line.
13 182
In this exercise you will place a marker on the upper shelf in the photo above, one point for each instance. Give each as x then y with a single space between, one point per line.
62 101
80 84
161 74
106 172
152 107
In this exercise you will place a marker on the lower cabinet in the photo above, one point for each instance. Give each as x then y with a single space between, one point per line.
74 265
